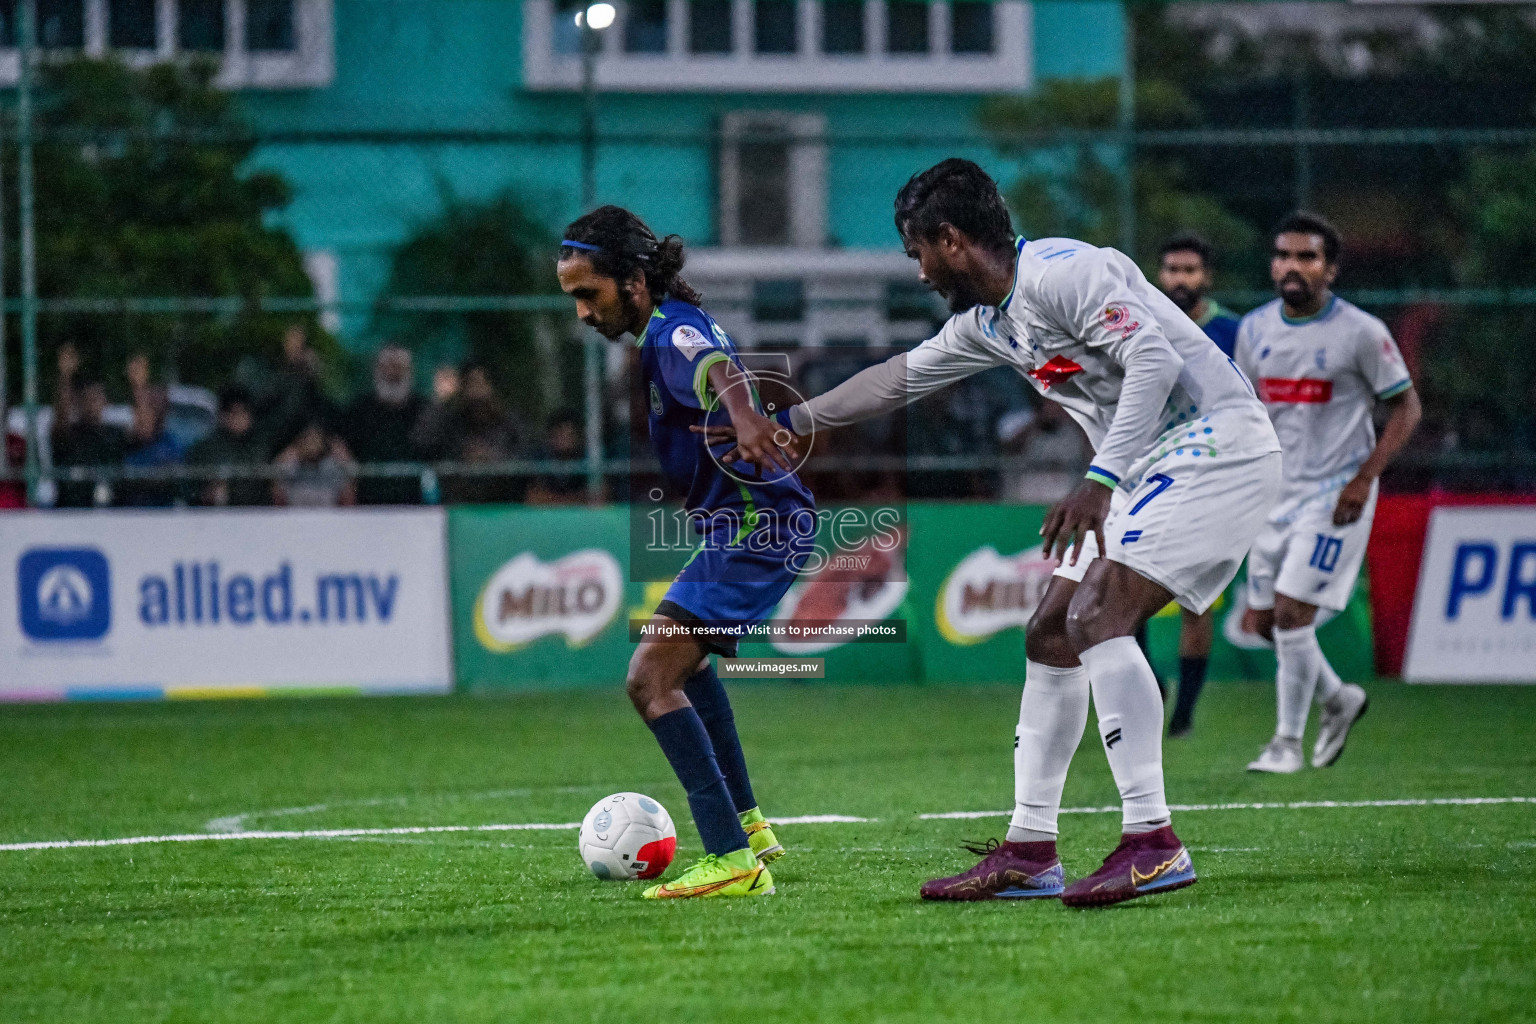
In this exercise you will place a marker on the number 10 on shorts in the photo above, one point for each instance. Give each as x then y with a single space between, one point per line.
1325 553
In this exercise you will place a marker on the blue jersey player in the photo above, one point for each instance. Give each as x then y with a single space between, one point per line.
1185 273
756 522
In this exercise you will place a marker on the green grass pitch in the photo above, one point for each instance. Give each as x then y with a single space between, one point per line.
1409 913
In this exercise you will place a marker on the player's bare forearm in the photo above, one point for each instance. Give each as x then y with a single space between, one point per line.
1406 411
755 433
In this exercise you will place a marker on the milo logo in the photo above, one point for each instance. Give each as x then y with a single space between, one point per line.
988 592
527 598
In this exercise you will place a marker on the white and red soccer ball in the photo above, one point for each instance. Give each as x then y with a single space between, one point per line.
627 836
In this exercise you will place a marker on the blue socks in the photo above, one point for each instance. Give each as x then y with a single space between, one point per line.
707 695
684 740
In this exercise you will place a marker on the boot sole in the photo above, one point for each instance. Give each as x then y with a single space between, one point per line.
1121 896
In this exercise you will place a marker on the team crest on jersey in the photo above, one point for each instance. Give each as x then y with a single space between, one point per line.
689 342
655 399
1117 317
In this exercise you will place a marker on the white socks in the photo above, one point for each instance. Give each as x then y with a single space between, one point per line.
1130 714
1299 662
1052 715
1328 681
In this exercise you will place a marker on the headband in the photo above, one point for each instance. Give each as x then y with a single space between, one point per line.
588 247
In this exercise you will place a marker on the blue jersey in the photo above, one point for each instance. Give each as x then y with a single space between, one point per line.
1220 325
677 349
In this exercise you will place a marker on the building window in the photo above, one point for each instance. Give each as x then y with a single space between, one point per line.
60 23
778 302
906 26
772 46
907 300
763 209
774 23
645 26
269 25
772 185
263 44
970 26
842 26
131 24
709 26
200 25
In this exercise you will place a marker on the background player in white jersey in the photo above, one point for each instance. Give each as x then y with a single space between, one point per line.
1186 465
1321 365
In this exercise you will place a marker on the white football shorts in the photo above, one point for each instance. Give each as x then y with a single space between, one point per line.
1309 559
1188 522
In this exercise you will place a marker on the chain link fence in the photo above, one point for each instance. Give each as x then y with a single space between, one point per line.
441 244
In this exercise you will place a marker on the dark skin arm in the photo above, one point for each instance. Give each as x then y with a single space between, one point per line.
1404 415
755 435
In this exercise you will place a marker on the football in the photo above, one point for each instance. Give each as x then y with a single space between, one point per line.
627 836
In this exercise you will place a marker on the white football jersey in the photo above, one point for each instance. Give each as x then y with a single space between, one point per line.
1320 379
1074 315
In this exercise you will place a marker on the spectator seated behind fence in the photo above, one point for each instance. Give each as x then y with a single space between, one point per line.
467 423
150 445
1047 455
317 469
294 394
563 441
233 443
80 438
377 428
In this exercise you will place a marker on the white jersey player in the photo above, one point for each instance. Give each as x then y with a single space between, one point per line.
1186 466
1321 366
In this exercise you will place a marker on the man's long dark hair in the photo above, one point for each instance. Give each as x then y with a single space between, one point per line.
956 192
622 244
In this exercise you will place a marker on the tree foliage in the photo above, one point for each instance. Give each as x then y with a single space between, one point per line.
492 247
144 189
1073 186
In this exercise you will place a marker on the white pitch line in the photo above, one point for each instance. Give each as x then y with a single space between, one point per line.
1295 805
354 833
808 819
318 833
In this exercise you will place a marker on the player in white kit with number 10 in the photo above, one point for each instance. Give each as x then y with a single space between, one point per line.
1321 366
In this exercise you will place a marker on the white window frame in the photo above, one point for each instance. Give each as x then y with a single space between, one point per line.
1008 68
845 293
807 173
310 64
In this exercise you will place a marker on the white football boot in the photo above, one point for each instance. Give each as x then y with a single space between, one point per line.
1280 756
1338 716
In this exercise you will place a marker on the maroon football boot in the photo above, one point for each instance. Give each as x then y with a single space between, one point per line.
1145 863
1008 871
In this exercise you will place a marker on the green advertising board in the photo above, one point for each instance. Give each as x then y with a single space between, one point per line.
541 598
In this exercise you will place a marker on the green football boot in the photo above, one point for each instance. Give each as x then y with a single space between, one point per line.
765 845
736 874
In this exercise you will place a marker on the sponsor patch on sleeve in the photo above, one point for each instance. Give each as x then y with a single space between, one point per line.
1117 317
690 342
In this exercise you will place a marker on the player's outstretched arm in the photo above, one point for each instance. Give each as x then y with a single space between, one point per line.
1403 417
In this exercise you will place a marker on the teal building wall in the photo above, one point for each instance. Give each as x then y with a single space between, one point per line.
455 66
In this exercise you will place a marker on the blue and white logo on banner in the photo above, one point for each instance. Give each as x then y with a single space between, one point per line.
64 594
1474 616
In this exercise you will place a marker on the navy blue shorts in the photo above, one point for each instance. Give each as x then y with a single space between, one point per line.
733 585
